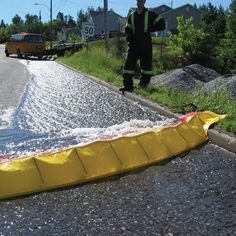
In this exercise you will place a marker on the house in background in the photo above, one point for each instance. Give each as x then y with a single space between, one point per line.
122 23
161 9
65 33
117 23
170 15
186 11
97 18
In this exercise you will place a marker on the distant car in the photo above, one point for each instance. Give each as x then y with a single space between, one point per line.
103 35
112 34
94 38
26 44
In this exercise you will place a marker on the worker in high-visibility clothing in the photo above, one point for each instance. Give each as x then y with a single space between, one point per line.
141 23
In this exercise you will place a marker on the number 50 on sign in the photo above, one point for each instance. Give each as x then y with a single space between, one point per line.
88 30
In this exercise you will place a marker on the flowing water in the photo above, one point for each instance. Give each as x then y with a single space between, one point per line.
60 108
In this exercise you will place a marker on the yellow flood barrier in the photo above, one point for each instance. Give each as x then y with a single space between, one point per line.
102 158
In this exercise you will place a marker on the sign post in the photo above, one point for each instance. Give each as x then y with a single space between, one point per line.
87 30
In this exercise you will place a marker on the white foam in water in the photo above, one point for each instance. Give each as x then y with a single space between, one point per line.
78 137
83 136
127 128
6 117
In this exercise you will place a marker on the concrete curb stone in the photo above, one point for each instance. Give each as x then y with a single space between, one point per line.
226 141
223 140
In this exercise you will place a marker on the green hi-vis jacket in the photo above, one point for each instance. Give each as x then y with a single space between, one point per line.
139 26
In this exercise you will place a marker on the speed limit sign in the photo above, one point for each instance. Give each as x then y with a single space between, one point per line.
87 30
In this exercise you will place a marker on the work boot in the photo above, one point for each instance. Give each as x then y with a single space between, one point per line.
128 85
126 89
143 85
144 81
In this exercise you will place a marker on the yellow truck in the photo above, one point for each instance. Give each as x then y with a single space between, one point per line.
26 44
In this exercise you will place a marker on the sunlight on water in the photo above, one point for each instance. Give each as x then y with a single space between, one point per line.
60 108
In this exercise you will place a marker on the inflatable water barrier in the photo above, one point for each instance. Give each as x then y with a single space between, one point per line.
98 159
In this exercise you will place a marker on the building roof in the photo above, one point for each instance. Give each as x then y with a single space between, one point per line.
97 13
161 9
164 9
183 6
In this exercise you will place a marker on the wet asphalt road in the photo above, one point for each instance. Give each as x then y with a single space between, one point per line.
191 194
13 77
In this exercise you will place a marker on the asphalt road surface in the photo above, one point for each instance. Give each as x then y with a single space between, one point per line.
191 194
13 77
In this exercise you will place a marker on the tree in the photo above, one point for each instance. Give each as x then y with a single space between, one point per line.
188 36
191 44
32 24
13 29
81 17
232 19
220 24
100 9
2 25
90 9
71 22
17 24
213 19
60 17
4 34
16 20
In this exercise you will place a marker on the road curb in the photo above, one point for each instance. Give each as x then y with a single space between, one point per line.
228 142
223 140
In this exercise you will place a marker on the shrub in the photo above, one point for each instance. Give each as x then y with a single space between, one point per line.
225 60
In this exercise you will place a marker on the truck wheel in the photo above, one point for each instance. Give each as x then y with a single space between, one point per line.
6 53
18 53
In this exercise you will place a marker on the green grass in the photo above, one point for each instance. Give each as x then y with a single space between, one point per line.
95 61
108 67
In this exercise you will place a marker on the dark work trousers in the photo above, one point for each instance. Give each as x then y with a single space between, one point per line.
136 52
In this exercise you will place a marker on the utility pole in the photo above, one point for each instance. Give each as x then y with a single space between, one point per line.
40 17
106 30
50 9
50 23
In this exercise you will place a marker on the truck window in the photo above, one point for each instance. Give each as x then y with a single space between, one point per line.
17 38
34 39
